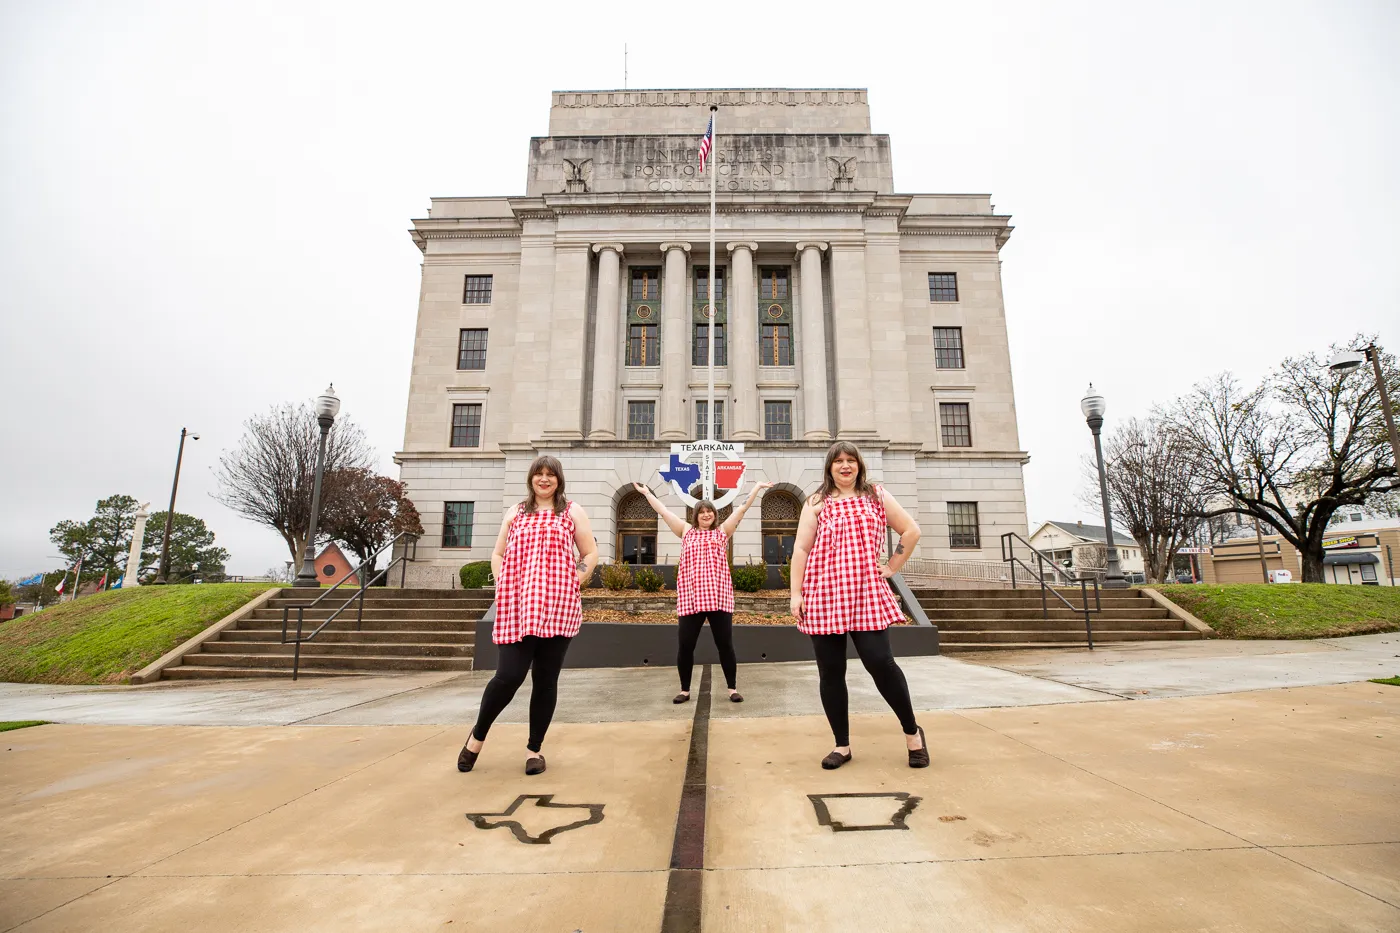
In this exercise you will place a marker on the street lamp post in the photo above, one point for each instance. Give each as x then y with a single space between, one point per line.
164 571
327 406
1350 360
1093 407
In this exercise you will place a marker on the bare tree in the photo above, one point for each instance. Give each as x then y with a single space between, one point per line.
269 475
1154 490
1291 451
368 511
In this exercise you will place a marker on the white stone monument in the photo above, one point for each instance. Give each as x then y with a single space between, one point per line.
133 559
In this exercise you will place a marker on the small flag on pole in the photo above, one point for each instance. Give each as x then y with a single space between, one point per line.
706 142
59 589
102 584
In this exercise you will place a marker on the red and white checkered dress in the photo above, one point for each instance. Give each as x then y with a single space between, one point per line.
842 589
702 576
537 591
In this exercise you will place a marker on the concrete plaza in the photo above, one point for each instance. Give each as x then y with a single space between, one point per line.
1204 786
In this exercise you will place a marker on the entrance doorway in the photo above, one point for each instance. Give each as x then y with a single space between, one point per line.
636 530
780 512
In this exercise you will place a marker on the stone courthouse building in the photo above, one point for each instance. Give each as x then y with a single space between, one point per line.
571 321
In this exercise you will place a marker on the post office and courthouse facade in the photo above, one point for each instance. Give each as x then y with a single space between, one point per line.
573 321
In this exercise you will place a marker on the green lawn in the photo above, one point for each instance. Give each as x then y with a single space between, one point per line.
20 724
1290 610
1392 681
107 637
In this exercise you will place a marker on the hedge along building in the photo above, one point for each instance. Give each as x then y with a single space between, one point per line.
572 321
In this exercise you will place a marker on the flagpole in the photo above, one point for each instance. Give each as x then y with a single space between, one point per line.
714 312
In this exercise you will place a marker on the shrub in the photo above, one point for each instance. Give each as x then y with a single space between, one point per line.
649 580
750 577
617 577
785 571
475 575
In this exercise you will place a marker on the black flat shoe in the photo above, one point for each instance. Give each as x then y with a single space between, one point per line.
918 758
835 760
681 698
736 697
534 765
466 759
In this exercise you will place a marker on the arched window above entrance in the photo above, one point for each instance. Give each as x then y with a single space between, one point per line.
636 530
780 511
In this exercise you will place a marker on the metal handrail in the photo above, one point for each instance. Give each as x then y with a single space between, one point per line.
410 553
1008 556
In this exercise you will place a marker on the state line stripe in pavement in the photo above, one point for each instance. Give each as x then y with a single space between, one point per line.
685 884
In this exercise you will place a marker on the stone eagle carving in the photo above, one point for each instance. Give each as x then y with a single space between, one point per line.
842 170
577 174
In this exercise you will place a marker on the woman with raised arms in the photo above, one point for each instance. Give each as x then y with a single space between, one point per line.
538 610
839 589
704 589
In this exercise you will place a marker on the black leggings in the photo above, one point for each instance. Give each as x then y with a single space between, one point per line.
722 628
875 654
546 656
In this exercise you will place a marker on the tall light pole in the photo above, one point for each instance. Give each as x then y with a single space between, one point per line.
1093 407
327 406
1350 360
170 512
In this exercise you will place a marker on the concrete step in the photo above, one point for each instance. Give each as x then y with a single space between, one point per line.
200 672
331 605
389 592
378 612
332 635
343 624
314 659
1018 612
1031 637
1057 625
359 649
1024 592
1106 603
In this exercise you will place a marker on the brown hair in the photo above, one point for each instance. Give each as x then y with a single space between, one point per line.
705 505
539 465
863 486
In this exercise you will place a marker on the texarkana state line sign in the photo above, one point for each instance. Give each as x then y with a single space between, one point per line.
715 465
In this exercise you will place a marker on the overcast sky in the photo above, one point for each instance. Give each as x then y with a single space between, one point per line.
204 206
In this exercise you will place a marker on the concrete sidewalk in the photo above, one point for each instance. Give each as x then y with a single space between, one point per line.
1057 800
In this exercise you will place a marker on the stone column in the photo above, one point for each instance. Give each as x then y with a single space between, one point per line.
743 343
568 326
675 343
855 391
606 340
816 421
133 559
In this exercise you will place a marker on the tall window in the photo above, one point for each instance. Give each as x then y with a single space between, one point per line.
457 523
466 425
947 347
641 421
779 513
956 422
700 354
471 348
644 285
642 346
773 283
942 286
477 290
777 421
636 530
702 284
962 525
775 345
702 420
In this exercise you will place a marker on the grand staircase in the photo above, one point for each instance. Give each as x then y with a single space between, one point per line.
402 631
991 619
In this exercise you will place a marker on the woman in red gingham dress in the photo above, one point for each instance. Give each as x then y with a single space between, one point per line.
704 590
537 604
840 589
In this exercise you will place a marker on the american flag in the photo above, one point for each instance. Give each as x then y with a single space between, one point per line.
706 142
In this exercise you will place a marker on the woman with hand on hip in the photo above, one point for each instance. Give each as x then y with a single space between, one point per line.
840 589
704 589
537 604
